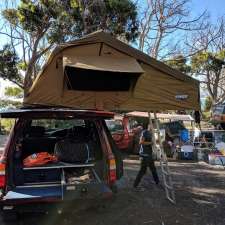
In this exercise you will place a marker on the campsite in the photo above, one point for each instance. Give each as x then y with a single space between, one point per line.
183 189
111 112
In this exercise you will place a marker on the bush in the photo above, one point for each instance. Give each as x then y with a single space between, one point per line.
6 125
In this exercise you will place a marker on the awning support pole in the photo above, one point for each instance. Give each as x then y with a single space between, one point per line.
166 175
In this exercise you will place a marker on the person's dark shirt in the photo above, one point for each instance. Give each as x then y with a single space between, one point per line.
146 150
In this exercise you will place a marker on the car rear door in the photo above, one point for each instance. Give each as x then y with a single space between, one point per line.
116 152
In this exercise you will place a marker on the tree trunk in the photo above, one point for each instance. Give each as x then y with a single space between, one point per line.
27 82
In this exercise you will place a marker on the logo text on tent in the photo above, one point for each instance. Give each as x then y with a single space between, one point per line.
181 97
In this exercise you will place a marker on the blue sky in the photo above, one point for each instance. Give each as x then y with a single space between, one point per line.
216 8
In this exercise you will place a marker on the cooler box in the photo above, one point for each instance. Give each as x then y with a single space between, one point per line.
187 152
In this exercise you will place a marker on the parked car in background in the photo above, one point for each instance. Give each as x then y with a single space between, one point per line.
86 162
218 118
126 132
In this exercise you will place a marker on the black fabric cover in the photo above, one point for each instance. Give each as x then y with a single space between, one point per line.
69 151
33 145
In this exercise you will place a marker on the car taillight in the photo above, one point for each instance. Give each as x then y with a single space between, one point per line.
2 175
112 171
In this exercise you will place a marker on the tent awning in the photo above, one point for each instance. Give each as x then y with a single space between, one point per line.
110 64
167 116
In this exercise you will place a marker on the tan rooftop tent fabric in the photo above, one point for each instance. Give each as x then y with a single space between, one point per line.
127 79
163 116
125 65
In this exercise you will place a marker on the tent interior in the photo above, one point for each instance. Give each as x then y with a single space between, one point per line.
101 72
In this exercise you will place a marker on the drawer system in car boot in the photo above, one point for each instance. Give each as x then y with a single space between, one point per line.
42 175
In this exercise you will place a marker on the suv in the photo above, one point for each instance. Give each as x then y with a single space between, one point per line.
90 171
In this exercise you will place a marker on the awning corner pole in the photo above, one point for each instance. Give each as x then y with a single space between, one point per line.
153 132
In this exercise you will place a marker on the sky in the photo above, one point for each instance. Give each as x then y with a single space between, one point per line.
215 8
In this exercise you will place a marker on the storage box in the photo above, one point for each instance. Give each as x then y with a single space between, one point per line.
186 155
186 152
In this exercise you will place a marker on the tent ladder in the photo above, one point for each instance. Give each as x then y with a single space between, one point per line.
166 175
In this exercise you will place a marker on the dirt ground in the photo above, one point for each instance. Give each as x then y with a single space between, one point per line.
200 195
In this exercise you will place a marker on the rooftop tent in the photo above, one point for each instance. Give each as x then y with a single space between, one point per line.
101 72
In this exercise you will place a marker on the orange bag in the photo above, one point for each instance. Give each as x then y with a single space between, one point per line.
39 159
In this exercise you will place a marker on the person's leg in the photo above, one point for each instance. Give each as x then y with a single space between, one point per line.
141 173
152 167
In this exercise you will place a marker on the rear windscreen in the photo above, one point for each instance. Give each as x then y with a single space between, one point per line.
96 80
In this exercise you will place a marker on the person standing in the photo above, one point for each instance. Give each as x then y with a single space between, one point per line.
146 157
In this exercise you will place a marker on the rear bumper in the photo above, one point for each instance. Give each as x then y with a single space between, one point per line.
15 199
51 206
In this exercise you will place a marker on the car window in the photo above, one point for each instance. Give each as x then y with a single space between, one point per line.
53 124
114 125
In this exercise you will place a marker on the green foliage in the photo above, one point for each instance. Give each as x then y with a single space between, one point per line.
208 66
9 104
179 63
208 104
22 66
42 24
66 19
206 116
8 65
14 92
6 125
204 62
11 15
121 18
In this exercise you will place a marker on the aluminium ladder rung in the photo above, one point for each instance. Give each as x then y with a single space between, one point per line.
171 200
168 186
165 172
